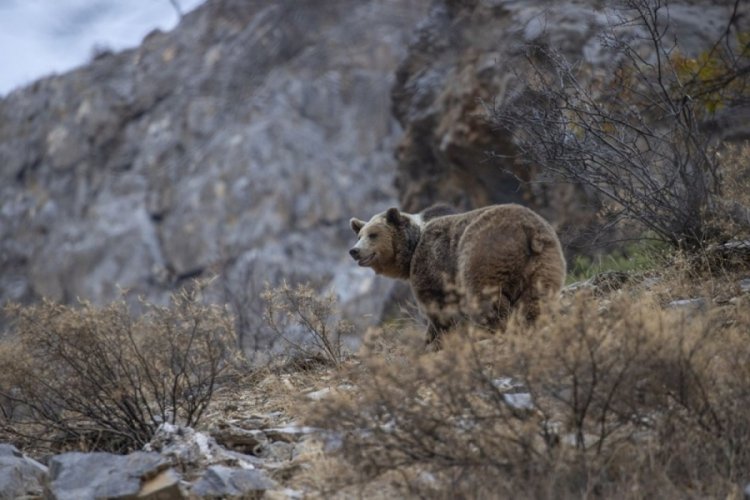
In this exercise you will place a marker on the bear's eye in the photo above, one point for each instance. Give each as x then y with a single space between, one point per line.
372 236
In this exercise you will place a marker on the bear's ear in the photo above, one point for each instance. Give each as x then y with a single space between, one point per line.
356 224
393 217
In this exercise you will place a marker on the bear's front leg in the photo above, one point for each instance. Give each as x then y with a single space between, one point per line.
440 305
435 332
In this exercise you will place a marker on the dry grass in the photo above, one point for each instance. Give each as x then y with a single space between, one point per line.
630 399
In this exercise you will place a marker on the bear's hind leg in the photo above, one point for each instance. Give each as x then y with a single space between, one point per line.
488 309
529 304
435 332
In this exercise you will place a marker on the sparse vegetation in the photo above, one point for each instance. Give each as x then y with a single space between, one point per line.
609 394
306 321
99 378
638 137
623 389
241 289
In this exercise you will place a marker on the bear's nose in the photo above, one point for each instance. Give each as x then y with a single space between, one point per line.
354 252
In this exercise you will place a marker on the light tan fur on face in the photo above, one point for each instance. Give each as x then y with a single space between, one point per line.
374 242
385 244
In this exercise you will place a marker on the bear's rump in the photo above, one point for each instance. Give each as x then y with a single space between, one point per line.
498 265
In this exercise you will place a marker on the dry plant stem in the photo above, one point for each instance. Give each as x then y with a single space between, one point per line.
290 308
242 289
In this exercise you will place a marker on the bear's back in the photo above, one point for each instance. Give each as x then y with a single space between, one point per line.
478 248
435 260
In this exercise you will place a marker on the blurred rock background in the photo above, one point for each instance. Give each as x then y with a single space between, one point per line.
240 143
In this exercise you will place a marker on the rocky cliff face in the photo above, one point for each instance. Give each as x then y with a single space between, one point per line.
240 143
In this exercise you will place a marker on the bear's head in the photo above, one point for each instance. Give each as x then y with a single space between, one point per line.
386 243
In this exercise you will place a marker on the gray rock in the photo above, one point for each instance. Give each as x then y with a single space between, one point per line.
507 384
519 400
697 304
19 475
278 451
745 285
283 494
8 450
164 486
221 481
82 476
360 291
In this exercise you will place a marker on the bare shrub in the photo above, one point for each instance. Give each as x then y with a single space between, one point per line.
306 321
99 378
637 136
241 289
623 400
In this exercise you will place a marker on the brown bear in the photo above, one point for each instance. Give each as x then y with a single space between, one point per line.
476 266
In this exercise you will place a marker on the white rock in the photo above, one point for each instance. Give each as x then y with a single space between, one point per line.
319 394
519 400
688 304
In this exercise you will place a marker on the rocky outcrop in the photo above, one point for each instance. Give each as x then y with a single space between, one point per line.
220 481
178 463
239 143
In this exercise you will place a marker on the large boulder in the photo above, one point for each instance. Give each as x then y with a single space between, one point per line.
89 476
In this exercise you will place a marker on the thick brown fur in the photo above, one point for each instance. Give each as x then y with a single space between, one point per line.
437 210
477 266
